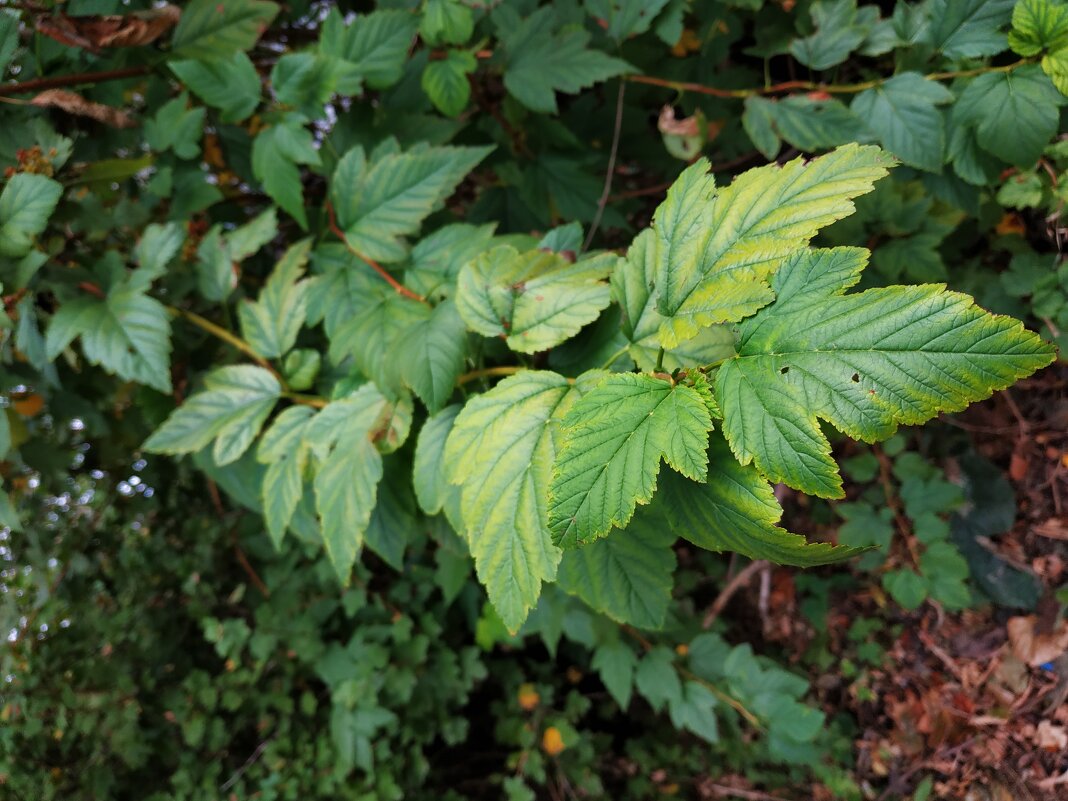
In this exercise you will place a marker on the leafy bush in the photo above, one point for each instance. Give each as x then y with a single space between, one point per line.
364 271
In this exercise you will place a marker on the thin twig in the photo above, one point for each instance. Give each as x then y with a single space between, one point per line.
732 587
248 763
486 372
38 84
610 172
811 86
398 287
733 792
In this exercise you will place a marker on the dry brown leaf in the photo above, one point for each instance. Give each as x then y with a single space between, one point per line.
668 123
1055 528
1036 648
74 103
97 32
1051 738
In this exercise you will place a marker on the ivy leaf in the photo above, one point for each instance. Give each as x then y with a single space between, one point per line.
736 510
501 452
968 28
627 576
1014 114
536 299
127 333
230 84
271 323
864 362
432 354
283 450
903 114
26 203
372 49
613 440
445 81
716 248
540 61
1038 26
209 29
231 410
276 152
381 200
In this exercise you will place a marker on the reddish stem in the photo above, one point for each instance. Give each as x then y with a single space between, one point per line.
398 287
72 80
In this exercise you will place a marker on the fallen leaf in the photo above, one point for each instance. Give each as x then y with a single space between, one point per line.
669 123
114 30
1051 738
1055 528
74 103
1033 647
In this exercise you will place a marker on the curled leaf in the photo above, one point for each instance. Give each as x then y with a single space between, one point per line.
95 33
74 103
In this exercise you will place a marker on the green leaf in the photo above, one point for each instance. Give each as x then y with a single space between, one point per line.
501 452
903 114
632 289
276 152
536 299
615 662
839 31
906 587
864 362
445 81
153 252
736 510
807 124
304 81
695 710
372 49
1039 26
381 200
9 39
249 238
176 127
540 61
26 203
230 84
230 409
446 22
613 441
271 323
714 250
627 576
350 467
432 354
657 679
209 29
127 333
428 471
1014 114
625 18
967 28
283 451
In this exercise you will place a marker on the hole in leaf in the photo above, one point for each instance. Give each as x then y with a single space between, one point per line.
784 370
856 378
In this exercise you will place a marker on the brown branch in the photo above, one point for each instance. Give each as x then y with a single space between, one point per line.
902 523
398 287
613 152
39 84
732 587
810 86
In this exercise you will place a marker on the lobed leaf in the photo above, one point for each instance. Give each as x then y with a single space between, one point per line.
865 363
